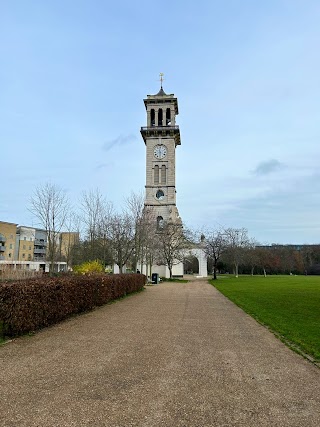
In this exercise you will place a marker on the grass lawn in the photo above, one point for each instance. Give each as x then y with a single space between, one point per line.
289 305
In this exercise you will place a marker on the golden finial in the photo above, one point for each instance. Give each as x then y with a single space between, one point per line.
161 78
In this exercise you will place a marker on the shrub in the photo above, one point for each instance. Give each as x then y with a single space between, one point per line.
89 267
39 302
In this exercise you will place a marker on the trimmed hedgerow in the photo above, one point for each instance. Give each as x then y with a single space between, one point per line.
35 303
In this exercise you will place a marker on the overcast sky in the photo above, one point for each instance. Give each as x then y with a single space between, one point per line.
73 76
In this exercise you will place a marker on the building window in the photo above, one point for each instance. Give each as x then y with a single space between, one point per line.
23 255
10 255
29 257
10 246
29 248
160 222
24 238
153 117
168 117
163 174
160 117
160 195
24 246
156 174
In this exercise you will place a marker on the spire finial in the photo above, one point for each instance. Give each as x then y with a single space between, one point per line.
161 78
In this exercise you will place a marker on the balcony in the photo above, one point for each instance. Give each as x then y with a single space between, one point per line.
39 251
2 238
167 127
40 258
161 131
39 242
2 248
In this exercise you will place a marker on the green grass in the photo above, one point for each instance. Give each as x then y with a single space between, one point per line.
288 305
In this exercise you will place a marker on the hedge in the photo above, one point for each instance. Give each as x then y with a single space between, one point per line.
26 306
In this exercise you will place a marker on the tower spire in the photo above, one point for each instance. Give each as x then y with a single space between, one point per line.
161 78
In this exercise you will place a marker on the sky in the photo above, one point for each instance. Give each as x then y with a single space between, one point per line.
73 75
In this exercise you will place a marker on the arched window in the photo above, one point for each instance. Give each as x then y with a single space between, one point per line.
160 195
160 117
156 174
153 117
168 117
160 222
163 174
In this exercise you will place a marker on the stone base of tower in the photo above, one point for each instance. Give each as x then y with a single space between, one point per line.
163 270
167 213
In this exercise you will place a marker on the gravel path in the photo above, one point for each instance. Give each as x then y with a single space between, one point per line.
175 355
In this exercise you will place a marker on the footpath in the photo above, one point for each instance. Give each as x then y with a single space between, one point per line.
175 355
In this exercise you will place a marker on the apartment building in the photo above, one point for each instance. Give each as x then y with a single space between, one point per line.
40 245
24 249
67 240
27 247
8 232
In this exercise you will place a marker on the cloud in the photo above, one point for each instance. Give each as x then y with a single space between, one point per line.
284 214
119 141
269 166
102 166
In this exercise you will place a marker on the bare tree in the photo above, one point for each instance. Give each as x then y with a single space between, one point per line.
50 205
70 240
96 214
171 244
215 244
121 236
263 255
250 255
144 220
149 246
135 205
237 240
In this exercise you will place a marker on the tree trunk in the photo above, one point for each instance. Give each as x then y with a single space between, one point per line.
135 264
214 273
237 269
264 272
52 250
252 268
141 262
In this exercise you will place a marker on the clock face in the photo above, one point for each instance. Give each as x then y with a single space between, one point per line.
160 195
160 151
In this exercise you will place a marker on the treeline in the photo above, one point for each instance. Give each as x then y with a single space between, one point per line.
282 259
136 238
231 250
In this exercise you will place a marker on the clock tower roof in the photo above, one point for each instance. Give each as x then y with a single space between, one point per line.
161 92
160 98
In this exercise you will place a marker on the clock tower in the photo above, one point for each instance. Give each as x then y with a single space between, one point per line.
161 137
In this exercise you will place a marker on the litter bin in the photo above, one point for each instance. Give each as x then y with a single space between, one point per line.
155 278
